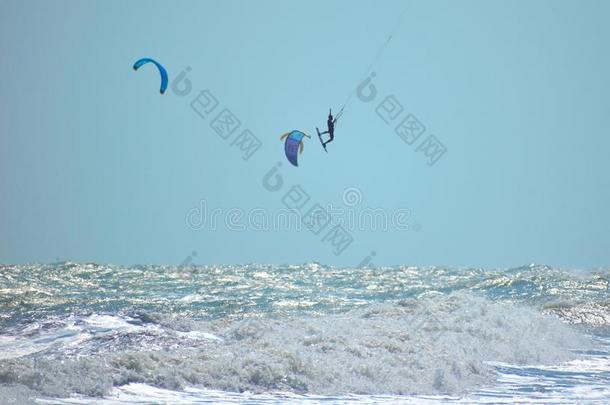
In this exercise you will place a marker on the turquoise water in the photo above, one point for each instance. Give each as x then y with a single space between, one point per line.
88 333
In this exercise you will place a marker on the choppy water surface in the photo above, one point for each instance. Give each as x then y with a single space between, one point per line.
87 333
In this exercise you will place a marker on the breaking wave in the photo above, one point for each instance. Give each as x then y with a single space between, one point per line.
307 330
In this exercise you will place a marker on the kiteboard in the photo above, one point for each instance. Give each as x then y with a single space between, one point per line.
321 141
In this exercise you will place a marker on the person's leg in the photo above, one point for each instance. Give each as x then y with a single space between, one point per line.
329 139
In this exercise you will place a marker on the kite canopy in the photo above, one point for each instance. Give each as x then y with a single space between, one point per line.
162 71
291 147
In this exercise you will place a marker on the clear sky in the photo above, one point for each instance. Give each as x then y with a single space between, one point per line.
96 165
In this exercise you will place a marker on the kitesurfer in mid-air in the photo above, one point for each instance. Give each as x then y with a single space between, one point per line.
330 124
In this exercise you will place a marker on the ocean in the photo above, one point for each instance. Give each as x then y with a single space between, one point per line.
99 334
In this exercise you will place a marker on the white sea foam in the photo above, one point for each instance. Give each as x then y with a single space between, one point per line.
436 345
88 333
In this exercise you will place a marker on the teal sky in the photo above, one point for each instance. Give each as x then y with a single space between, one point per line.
96 165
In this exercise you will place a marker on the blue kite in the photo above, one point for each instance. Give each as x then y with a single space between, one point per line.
294 141
162 71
